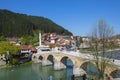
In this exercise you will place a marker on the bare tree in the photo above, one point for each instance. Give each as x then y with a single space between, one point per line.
100 39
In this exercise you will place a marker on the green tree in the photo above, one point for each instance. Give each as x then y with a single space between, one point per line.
17 25
27 40
81 41
8 50
2 38
12 48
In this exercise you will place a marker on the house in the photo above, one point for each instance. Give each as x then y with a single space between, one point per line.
85 42
14 41
27 50
118 41
85 39
68 42
46 37
53 38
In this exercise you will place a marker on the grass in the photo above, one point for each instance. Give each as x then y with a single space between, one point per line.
29 62
9 65
5 66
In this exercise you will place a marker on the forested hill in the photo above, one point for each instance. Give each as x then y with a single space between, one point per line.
17 25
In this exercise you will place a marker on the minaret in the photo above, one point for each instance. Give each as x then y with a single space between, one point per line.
39 39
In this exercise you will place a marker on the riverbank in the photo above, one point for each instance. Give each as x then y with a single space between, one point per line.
5 66
9 65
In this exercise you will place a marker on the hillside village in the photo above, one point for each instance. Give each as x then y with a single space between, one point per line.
52 42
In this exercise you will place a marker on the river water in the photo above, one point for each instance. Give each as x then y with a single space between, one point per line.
34 72
113 55
38 72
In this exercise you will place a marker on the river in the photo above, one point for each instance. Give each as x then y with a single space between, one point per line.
38 72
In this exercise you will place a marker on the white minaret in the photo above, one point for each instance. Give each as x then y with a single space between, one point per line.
40 39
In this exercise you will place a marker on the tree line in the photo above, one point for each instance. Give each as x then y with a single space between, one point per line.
17 25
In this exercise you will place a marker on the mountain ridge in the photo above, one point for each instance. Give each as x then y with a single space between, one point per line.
16 24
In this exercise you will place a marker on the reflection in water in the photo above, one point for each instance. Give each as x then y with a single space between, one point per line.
47 71
33 72
60 75
38 72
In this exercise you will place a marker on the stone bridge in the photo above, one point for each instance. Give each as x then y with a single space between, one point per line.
58 60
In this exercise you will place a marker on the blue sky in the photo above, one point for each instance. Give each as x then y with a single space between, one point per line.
78 16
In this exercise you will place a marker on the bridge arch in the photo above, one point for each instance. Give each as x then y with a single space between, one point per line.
34 57
68 62
90 68
115 73
50 58
85 63
64 60
40 57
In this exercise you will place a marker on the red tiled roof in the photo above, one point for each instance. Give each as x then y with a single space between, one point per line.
28 47
32 48
24 47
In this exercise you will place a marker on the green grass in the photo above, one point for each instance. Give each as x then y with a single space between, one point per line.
9 65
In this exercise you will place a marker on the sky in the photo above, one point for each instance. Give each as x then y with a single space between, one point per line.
77 16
